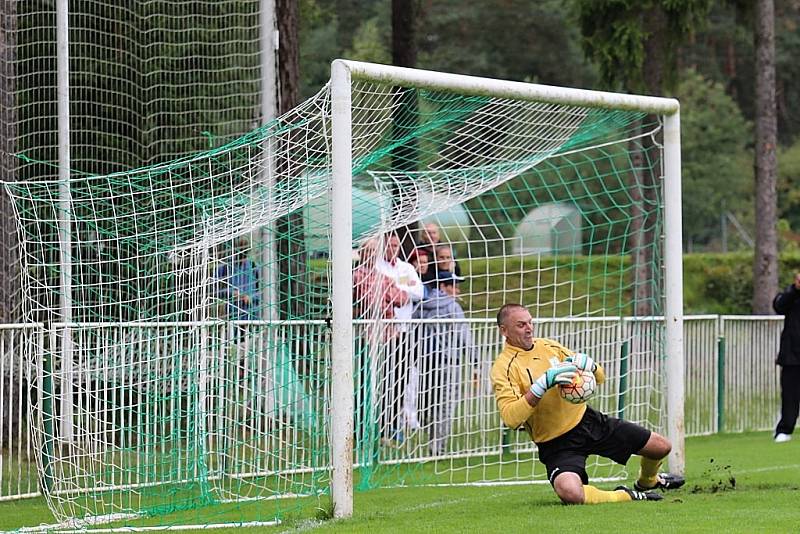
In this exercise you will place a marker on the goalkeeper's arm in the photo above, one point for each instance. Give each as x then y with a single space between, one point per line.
514 408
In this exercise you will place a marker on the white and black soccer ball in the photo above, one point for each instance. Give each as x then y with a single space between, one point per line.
581 389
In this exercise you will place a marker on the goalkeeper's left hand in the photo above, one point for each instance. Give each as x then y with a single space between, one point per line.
583 361
560 375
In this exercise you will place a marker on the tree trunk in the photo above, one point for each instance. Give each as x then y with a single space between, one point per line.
644 191
292 277
404 31
765 263
9 266
404 112
287 15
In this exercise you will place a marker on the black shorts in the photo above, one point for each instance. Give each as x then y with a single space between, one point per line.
598 434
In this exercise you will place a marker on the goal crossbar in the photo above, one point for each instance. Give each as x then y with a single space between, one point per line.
479 86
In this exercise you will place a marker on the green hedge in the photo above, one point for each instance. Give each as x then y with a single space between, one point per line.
712 283
566 282
723 283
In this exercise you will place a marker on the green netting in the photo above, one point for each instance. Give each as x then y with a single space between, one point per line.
190 381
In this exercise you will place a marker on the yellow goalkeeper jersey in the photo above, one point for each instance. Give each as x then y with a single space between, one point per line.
513 372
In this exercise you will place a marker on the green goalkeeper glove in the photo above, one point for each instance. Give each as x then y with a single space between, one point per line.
583 361
563 374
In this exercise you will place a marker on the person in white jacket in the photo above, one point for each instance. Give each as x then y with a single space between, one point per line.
399 354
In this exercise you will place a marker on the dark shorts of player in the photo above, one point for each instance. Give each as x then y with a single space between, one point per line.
598 434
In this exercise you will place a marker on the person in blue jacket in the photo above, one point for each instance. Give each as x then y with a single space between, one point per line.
445 347
239 283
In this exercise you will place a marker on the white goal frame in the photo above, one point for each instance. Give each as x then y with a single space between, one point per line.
343 72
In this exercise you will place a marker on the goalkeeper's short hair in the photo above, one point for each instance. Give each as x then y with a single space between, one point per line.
505 310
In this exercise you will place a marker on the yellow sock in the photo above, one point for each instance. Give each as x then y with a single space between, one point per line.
592 495
648 470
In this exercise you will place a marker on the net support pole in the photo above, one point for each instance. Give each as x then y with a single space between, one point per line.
202 437
269 110
341 438
64 215
45 376
720 384
673 279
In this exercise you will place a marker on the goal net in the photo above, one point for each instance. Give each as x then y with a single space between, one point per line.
187 369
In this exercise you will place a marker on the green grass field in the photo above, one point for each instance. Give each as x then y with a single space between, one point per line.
736 483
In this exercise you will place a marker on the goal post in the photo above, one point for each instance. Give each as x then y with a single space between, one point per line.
343 74
673 294
341 293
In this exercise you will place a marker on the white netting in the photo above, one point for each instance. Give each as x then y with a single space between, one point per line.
193 375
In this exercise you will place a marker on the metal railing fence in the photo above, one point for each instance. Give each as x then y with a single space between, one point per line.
731 378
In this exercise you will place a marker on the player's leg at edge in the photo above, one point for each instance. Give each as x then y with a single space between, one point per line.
570 488
653 454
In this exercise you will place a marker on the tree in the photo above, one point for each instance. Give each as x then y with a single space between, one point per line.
9 292
634 45
348 21
289 229
765 262
724 51
367 44
319 43
287 15
512 40
404 111
715 174
788 192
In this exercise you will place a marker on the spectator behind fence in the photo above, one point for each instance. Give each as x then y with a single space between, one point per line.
399 353
421 262
374 298
375 294
787 303
444 348
429 237
238 278
442 261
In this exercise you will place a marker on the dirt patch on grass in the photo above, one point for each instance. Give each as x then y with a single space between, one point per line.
715 478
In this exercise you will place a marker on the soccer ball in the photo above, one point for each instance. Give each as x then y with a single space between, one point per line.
581 389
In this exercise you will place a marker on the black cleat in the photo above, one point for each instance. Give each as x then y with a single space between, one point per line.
640 495
664 481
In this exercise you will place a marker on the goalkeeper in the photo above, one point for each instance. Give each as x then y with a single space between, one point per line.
565 433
